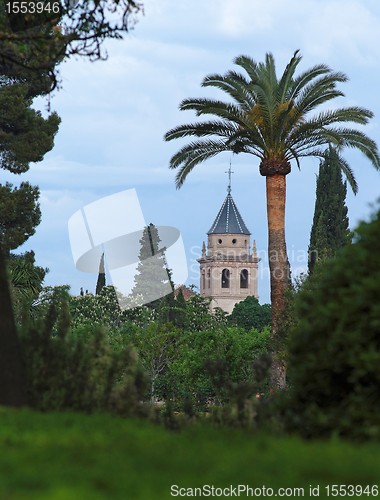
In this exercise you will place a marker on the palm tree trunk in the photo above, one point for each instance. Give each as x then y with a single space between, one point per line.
12 377
279 269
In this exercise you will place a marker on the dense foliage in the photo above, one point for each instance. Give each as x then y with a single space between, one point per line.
25 135
25 279
250 314
19 214
85 352
78 369
334 352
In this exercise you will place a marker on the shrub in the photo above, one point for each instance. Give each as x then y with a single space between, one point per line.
79 370
334 351
211 366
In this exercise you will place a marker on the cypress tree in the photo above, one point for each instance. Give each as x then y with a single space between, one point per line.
101 276
180 299
153 279
330 223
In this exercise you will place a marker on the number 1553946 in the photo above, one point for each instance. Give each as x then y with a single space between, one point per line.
32 7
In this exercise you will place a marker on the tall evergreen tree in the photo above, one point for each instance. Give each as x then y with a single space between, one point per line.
101 276
330 223
153 279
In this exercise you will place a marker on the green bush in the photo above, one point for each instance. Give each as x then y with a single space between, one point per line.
213 366
334 351
81 369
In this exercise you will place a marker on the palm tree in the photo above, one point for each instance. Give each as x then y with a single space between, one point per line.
277 120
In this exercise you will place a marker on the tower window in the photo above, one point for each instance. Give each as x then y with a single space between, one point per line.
208 278
244 278
225 278
203 280
234 241
219 241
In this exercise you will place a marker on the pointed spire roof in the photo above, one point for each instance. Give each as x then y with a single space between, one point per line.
229 220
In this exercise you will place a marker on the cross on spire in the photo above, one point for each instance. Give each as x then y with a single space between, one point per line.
229 172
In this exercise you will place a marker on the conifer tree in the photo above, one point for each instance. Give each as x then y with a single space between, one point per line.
330 223
180 316
153 279
101 276
180 299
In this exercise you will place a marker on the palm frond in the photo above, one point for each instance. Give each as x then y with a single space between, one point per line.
212 107
234 84
249 65
202 129
192 154
356 139
333 156
318 92
287 77
308 76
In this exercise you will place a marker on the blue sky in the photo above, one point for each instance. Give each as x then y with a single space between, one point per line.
115 113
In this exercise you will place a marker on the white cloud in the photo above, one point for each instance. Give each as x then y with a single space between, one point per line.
323 29
237 18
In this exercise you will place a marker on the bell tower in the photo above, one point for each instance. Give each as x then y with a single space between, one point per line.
229 267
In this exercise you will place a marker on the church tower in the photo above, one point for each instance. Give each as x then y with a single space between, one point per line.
228 268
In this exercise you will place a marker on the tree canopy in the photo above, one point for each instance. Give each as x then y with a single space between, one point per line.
250 314
25 135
